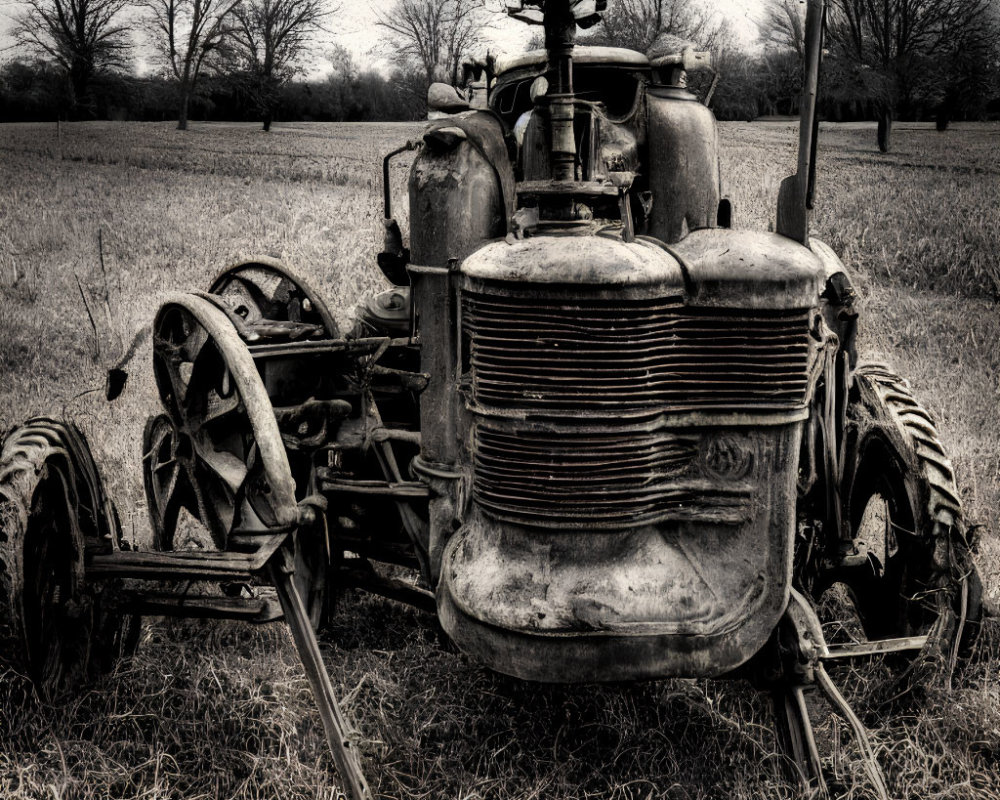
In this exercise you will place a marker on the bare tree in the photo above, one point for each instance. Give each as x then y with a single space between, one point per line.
638 24
84 37
189 37
889 42
437 34
270 37
783 26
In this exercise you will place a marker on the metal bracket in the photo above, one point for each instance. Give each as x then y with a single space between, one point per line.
338 734
804 669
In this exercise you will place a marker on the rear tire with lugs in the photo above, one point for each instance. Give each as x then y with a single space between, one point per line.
903 503
54 629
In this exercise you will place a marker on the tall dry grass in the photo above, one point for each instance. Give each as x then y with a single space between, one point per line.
222 710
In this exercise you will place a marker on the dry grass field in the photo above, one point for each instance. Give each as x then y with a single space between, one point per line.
212 710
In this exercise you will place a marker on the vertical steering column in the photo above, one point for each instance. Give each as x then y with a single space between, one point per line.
560 35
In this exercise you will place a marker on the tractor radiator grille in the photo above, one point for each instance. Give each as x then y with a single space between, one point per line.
590 365
603 355
573 481
586 481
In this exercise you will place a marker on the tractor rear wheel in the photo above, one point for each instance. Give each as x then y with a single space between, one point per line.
55 629
905 512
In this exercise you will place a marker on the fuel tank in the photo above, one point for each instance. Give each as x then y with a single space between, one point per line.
461 188
625 454
683 163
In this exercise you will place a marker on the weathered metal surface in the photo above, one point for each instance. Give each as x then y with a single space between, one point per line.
349 347
188 565
614 479
795 197
598 516
879 647
582 55
412 489
547 188
689 576
266 288
256 609
573 259
750 269
436 315
224 458
574 353
683 164
339 736
462 195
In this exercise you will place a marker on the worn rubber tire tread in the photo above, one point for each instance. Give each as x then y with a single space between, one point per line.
27 452
932 475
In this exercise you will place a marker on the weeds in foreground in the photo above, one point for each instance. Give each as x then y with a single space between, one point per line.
222 710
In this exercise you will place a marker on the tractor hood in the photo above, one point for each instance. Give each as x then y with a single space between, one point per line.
714 268
750 269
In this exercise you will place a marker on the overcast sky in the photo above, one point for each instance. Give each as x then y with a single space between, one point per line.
354 28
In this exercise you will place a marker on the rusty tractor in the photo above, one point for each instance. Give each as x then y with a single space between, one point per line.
610 437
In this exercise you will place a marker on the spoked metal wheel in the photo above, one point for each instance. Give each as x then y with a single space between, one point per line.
904 510
53 627
277 304
217 451
267 295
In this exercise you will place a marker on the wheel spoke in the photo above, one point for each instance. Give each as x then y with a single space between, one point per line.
227 468
285 293
201 393
256 490
168 501
168 381
216 507
222 407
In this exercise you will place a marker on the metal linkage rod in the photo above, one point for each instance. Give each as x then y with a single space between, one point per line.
344 752
797 738
872 767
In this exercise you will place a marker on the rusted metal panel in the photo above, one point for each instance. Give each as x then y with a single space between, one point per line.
437 322
461 190
696 596
750 269
683 164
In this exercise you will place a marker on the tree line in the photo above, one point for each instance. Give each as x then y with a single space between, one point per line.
248 59
35 90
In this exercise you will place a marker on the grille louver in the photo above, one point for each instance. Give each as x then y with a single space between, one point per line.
590 365
608 481
597 354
